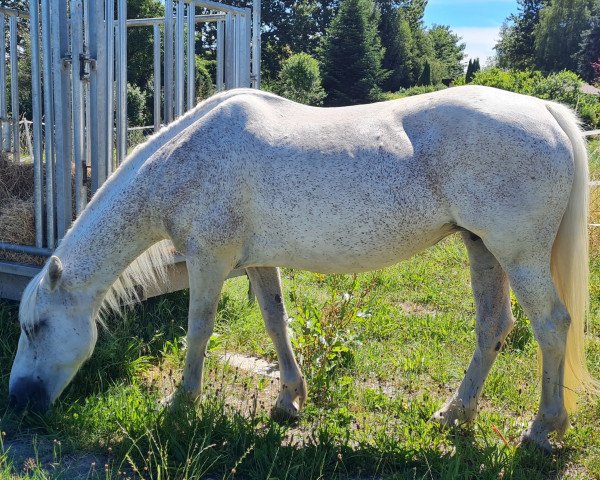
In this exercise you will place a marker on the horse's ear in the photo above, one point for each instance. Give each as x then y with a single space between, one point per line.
55 270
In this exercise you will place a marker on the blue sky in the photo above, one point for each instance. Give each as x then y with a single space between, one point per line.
476 21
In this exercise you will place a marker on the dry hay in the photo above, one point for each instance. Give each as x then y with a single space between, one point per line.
17 220
17 224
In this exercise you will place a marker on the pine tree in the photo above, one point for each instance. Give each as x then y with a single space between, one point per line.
448 51
516 48
558 34
469 74
352 55
425 78
399 61
590 51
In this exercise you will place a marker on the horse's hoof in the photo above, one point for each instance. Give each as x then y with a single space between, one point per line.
176 399
452 415
285 416
168 401
540 443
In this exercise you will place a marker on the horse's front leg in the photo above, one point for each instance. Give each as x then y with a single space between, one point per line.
206 277
266 284
494 322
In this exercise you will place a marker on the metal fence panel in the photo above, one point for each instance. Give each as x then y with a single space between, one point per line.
74 87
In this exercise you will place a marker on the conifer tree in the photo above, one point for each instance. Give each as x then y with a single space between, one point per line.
352 55
590 50
469 74
558 34
425 78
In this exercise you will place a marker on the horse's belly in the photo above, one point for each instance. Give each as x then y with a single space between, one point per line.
356 248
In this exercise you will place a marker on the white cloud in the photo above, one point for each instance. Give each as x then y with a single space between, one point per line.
480 41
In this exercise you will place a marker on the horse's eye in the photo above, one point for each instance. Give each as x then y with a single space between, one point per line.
33 331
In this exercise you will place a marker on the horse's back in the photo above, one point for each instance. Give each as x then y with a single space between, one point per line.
360 187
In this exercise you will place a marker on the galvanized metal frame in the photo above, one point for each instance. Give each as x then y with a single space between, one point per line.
121 34
3 110
36 102
79 51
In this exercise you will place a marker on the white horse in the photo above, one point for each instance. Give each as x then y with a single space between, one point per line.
248 180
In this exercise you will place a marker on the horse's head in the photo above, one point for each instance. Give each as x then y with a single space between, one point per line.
58 334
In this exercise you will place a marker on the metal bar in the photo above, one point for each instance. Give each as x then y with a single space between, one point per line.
191 52
122 82
98 84
179 59
236 49
229 51
3 110
11 247
62 110
49 122
36 103
11 12
87 103
78 114
110 75
156 33
220 55
245 46
256 47
220 7
168 48
143 127
149 22
14 87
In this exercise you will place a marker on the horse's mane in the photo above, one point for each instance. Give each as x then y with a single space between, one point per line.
149 270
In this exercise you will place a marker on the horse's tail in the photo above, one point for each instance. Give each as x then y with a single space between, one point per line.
569 262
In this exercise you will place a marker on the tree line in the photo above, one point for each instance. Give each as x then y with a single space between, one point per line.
552 35
361 48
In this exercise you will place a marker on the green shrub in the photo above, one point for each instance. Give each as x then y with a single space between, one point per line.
300 80
563 87
136 106
204 80
409 92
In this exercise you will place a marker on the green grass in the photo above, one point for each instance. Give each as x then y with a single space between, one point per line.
379 362
409 337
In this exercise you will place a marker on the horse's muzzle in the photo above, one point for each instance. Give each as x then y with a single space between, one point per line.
30 394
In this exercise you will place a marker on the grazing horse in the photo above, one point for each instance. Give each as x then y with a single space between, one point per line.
248 180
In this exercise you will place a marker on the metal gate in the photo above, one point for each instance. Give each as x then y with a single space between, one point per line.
79 82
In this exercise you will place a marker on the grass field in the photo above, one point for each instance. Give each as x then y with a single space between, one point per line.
381 352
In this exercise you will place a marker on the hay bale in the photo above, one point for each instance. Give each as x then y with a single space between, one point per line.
16 180
17 225
17 221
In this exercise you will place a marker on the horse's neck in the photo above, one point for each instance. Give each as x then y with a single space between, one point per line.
112 232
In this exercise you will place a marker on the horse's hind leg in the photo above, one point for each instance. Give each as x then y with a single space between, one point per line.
267 287
534 288
494 322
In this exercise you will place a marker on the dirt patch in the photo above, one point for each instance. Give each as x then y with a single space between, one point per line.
30 455
417 309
